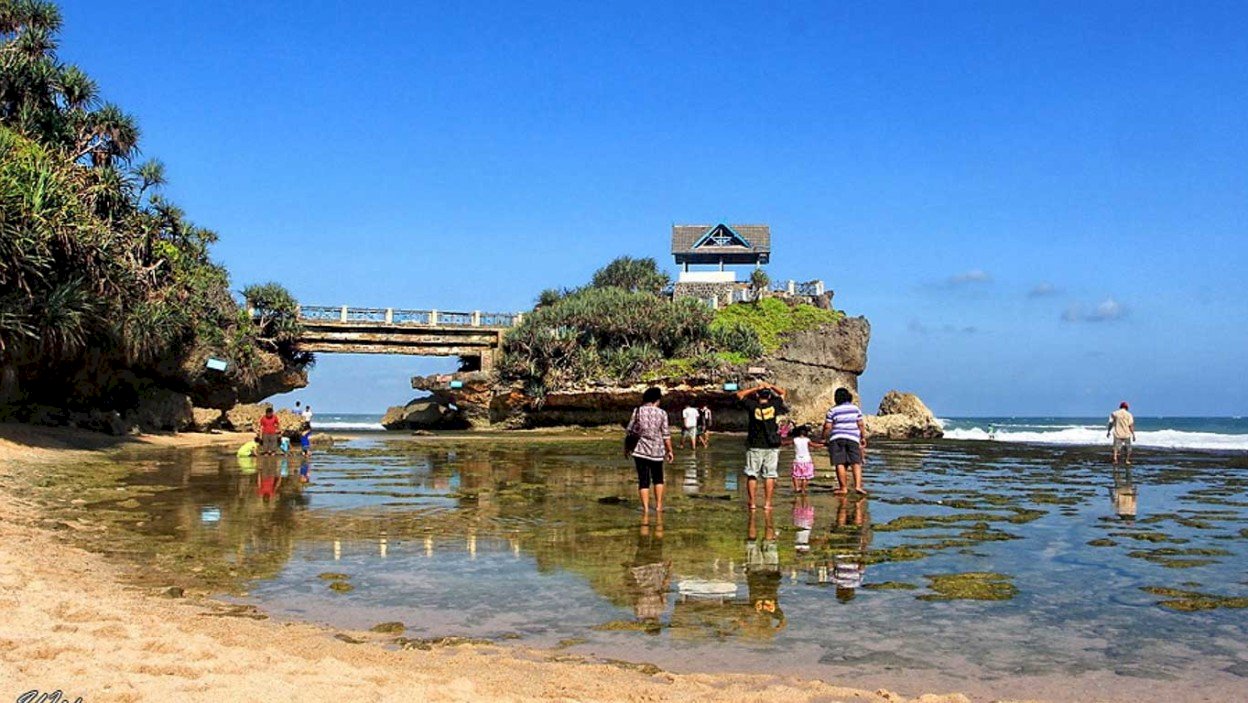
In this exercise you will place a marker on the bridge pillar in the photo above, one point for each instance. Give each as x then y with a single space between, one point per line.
433 318
476 318
389 316
342 317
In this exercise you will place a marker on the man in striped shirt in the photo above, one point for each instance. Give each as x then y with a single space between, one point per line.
845 433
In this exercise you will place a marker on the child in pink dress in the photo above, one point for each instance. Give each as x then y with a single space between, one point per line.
803 463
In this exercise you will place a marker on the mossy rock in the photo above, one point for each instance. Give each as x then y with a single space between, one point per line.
890 586
332 576
972 585
627 626
388 628
341 587
1192 601
1102 542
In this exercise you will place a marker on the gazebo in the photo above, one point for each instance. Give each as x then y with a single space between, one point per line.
719 245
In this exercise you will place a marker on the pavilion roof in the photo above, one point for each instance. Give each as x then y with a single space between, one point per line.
740 239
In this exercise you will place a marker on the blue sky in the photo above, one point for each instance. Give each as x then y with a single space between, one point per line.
1041 209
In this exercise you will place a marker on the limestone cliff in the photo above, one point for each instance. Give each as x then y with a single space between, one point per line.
812 364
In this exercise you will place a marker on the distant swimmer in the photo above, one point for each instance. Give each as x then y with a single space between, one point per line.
1122 427
992 432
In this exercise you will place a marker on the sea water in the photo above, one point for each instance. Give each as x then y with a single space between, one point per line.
1165 432
999 568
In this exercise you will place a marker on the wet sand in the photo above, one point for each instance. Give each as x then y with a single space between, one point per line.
71 623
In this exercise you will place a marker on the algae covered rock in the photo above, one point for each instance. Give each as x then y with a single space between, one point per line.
972 585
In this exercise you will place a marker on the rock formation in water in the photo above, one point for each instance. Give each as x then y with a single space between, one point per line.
810 365
424 414
903 416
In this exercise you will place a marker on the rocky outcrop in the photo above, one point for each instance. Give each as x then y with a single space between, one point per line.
246 418
161 410
423 414
903 416
216 389
468 403
812 364
207 419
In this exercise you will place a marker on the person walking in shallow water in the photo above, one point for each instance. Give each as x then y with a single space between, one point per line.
764 404
649 429
1122 427
845 433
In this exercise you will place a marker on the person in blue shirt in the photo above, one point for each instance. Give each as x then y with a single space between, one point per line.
305 438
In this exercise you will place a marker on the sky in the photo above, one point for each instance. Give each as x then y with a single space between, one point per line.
1041 207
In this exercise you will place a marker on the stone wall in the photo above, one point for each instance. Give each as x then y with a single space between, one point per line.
721 292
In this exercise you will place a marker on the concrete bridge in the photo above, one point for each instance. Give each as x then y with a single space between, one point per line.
476 337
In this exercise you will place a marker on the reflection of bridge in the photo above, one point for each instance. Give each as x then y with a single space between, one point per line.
346 330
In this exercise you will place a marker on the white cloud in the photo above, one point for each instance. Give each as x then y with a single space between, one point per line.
972 276
1043 289
1107 310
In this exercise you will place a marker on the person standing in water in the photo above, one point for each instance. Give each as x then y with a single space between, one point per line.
764 404
654 445
270 428
689 426
704 424
803 462
845 433
1122 427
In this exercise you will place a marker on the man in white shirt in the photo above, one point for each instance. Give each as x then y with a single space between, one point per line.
689 431
1122 427
307 414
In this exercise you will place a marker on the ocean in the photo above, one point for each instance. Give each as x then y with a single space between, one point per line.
1206 433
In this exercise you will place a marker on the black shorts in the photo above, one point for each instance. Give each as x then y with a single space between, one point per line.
845 452
649 471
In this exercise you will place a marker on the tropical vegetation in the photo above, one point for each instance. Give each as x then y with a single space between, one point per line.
99 272
625 327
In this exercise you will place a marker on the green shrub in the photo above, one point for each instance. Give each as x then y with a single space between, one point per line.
771 319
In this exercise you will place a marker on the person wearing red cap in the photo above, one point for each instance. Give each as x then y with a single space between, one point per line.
1122 427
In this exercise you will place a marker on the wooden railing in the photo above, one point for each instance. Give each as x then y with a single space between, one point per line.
402 317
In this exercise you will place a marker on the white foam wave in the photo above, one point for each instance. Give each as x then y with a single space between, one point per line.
1164 439
358 426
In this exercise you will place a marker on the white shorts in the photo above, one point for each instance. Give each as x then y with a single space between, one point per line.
762 461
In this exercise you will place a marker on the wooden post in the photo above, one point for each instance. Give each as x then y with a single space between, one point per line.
433 318
476 318
389 316
343 316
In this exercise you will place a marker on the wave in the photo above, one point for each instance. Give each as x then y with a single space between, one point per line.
1163 439
358 426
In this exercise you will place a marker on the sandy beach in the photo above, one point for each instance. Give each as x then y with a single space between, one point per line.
72 623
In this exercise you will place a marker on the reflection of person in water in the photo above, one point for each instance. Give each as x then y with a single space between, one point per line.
1124 495
762 573
268 480
804 521
305 470
648 575
851 535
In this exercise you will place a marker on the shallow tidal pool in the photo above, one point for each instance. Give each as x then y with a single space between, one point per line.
991 568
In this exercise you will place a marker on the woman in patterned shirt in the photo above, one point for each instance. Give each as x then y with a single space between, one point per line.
654 445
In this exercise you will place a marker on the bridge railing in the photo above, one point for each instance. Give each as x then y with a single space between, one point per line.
399 316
